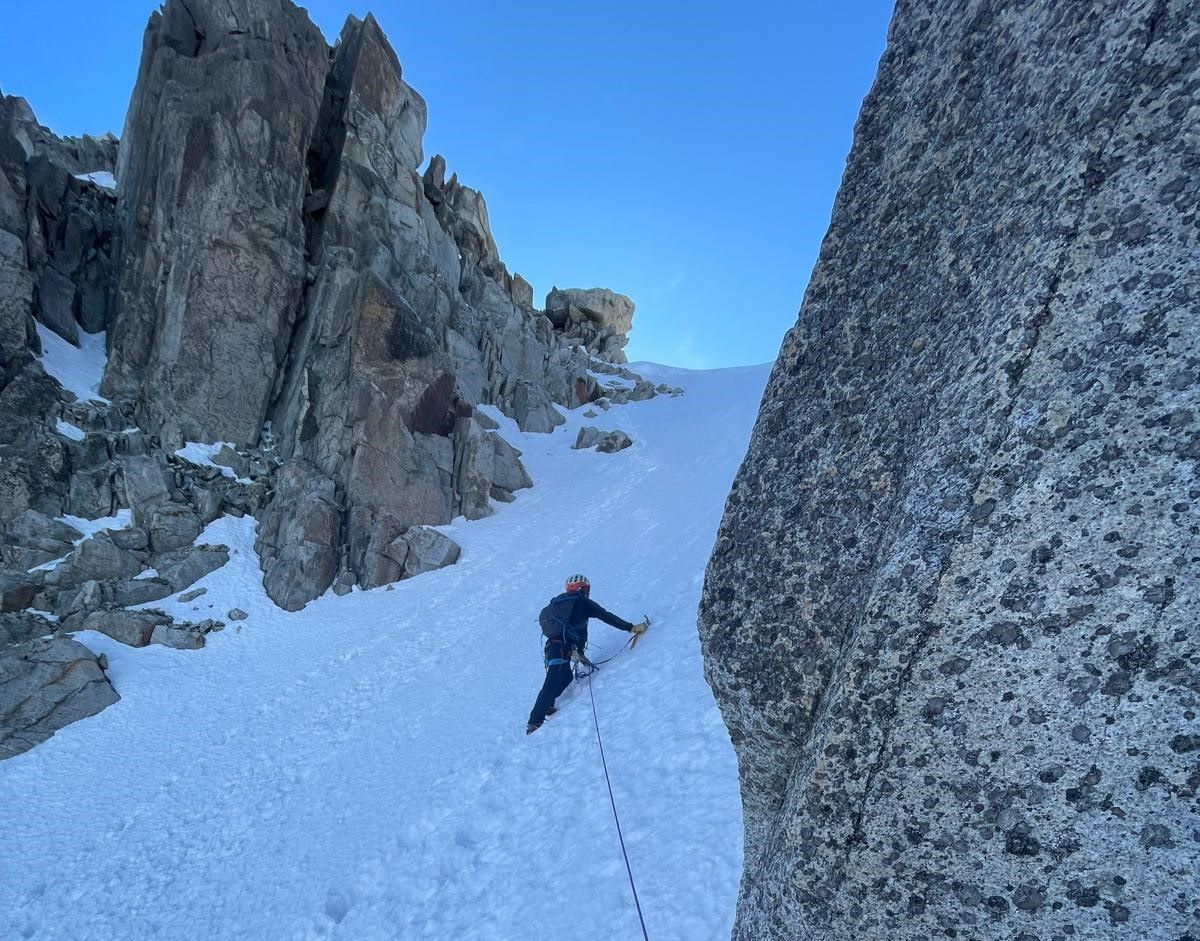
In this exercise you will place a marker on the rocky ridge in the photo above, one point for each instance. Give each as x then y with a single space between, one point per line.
951 615
273 272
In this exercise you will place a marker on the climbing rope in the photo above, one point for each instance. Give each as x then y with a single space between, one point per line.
585 669
612 801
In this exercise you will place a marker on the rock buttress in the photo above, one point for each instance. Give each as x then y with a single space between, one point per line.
951 614
209 235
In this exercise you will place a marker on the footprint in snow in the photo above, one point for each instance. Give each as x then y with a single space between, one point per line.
338 903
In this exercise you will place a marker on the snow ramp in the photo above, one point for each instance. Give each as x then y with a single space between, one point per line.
360 769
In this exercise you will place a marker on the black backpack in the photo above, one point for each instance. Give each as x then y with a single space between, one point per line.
556 616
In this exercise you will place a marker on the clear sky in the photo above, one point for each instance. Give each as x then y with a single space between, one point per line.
683 153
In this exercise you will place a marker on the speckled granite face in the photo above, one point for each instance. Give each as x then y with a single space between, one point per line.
952 613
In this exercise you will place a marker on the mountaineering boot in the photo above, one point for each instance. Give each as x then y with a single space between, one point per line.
551 711
532 727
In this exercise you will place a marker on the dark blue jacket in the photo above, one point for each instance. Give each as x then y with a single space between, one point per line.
577 617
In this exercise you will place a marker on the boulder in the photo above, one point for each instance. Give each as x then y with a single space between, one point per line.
298 536
474 467
508 473
607 441
135 628
32 538
17 627
397 551
184 567
90 493
237 614
588 437
16 591
614 441
131 591
98 559
86 598
379 567
45 685
428 550
641 391
144 485
134 538
34 470
183 635
604 307
173 526
207 499
533 409
228 457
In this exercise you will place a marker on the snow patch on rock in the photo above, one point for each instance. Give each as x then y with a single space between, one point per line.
78 369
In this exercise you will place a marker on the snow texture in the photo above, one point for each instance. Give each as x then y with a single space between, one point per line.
78 369
102 178
201 454
360 770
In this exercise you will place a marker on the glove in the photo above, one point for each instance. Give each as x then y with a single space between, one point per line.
640 627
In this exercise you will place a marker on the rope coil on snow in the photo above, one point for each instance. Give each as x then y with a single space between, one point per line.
612 801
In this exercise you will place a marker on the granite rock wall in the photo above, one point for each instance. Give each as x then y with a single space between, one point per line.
951 616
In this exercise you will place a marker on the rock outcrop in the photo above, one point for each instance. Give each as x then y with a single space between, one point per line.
299 326
607 442
287 265
209 239
596 317
951 615
297 536
45 685
55 246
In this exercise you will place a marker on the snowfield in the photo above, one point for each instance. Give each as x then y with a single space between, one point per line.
360 769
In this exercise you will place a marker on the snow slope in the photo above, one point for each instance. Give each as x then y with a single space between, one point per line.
359 770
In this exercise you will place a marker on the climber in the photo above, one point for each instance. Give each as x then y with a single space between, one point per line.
564 622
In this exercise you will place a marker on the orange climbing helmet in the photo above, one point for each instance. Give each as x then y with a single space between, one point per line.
578 583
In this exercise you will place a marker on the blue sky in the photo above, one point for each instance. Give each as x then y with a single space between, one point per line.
684 153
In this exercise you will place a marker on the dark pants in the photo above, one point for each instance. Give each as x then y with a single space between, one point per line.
558 678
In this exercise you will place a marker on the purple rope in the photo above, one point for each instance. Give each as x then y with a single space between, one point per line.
612 801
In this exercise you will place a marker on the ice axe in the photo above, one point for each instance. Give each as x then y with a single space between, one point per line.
638 635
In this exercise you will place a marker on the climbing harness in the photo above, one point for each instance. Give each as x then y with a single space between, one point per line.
593 665
613 802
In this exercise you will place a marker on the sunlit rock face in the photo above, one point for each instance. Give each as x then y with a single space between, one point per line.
281 262
951 613
209 236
